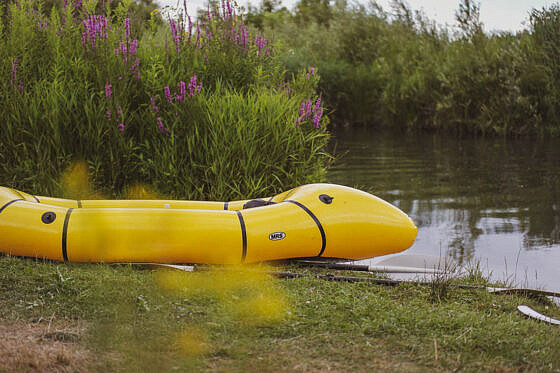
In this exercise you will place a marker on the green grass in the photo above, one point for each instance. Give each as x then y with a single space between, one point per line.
142 320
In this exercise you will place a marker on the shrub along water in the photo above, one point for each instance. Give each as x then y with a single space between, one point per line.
196 109
399 69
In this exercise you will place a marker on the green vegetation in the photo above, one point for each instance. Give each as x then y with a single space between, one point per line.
192 109
207 109
399 69
140 320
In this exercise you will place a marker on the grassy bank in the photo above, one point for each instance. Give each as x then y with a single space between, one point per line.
120 317
395 67
193 108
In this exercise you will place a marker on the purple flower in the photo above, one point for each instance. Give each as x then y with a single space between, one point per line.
124 51
109 114
173 29
119 111
311 72
167 94
133 47
244 34
193 86
127 28
302 109
161 126
154 106
317 104
317 119
229 10
182 92
108 91
121 127
94 27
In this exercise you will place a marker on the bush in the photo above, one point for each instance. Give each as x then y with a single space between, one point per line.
194 109
398 69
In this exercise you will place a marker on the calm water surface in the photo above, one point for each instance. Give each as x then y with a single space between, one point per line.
492 200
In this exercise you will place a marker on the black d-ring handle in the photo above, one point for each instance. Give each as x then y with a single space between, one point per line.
325 198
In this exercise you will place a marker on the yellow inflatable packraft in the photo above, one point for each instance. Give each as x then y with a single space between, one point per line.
316 220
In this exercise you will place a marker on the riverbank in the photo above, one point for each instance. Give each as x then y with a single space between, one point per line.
395 67
102 317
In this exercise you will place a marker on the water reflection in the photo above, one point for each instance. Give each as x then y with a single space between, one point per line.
496 200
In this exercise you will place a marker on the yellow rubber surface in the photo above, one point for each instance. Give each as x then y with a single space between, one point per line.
316 220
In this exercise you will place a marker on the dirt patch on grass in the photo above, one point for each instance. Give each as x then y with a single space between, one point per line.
43 347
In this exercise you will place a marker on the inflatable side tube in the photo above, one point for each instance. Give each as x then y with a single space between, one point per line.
317 220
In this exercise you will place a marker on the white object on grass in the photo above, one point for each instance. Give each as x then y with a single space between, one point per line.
528 311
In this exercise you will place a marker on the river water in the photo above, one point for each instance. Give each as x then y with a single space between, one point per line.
495 201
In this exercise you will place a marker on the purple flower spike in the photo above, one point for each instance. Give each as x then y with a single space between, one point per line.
175 35
317 104
167 94
124 51
194 87
133 47
108 91
154 106
161 126
95 27
311 72
121 127
182 92
127 28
